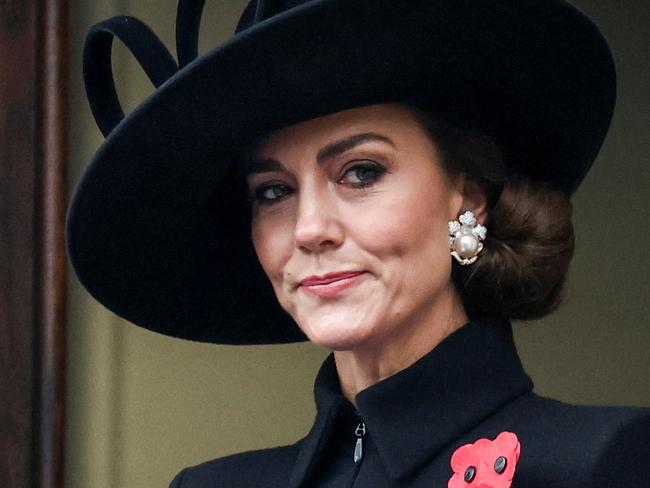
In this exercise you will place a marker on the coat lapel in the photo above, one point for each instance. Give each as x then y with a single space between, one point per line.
424 408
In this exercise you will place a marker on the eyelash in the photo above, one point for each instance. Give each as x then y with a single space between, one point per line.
376 170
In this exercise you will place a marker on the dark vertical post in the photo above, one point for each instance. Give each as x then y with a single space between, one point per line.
51 202
33 105
17 169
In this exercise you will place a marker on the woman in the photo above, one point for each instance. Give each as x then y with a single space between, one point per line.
376 144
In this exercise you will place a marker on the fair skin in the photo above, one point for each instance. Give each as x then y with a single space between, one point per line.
349 223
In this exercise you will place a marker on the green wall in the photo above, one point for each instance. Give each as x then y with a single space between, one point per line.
142 406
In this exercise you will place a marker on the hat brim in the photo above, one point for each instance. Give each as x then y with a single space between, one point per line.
158 229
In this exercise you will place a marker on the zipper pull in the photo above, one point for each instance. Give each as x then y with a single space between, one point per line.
360 431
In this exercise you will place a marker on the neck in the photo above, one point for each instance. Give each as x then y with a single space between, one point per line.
372 362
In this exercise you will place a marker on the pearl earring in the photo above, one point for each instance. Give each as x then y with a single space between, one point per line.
465 238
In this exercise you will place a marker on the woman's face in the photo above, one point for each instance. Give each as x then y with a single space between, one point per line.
349 222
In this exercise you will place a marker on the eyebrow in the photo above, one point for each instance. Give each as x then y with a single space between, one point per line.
252 165
339 147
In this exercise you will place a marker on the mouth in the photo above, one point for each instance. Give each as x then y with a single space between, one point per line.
331 284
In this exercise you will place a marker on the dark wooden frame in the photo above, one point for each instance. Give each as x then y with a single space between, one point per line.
33 199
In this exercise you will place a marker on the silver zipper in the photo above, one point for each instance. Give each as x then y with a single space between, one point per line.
360 431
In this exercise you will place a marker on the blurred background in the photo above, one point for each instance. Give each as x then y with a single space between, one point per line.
141 406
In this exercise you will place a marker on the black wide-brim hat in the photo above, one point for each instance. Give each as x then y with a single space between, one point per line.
159 227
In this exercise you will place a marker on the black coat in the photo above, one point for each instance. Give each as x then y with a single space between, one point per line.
471 386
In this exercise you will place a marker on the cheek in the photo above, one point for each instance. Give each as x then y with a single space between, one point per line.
408 228
272 245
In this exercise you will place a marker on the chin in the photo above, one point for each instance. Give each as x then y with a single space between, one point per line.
337 335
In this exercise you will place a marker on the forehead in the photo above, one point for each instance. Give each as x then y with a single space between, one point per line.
396 122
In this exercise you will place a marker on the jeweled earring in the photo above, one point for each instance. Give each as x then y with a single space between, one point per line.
465 238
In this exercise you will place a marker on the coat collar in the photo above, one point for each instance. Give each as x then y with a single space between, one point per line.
468 376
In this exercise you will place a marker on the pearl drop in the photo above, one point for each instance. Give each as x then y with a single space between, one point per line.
466 246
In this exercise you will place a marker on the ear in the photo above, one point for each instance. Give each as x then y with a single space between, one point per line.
474 200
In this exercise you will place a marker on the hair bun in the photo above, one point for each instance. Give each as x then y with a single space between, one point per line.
521 271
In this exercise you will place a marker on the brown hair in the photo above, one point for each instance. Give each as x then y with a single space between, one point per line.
522 269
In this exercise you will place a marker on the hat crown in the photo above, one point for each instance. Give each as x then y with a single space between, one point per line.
258 10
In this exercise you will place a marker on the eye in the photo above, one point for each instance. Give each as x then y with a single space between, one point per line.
362 174
270 193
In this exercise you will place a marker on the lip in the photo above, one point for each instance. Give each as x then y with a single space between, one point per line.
331 284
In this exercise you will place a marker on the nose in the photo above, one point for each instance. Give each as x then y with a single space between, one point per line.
318 226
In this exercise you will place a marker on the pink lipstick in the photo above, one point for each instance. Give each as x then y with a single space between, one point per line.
331 284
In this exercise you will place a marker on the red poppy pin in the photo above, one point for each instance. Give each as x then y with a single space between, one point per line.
486 463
